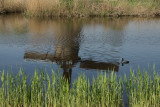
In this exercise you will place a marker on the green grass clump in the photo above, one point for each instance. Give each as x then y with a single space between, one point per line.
143 89
54 90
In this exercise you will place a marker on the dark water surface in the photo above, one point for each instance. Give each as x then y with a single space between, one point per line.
79 45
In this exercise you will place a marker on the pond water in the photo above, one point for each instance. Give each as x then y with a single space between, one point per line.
79 45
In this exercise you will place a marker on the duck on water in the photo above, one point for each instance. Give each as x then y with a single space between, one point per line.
124 61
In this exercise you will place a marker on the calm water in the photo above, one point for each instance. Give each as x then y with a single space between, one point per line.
79 45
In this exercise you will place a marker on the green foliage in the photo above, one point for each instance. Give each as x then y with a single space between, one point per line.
143 89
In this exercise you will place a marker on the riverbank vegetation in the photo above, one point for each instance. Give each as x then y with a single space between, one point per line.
81 8
142 89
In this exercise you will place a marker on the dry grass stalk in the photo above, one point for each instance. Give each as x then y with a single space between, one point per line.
81 7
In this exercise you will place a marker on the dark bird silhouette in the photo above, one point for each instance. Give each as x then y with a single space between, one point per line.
124 61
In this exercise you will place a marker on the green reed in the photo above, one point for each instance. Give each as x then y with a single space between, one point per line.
143 89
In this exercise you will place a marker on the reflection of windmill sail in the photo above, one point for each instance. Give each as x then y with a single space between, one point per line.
88 64
38 56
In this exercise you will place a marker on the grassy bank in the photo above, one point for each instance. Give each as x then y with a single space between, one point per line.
81 8
54 90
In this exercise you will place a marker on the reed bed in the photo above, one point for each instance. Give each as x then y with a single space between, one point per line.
54 90
81 8
143 89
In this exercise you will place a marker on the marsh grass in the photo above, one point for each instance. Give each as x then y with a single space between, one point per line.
54 90
143 89
81 8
